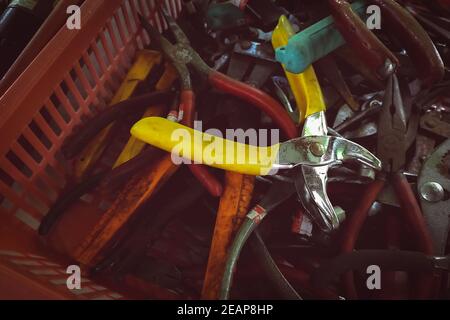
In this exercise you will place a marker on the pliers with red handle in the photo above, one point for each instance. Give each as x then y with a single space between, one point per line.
381 61
181 55
395 136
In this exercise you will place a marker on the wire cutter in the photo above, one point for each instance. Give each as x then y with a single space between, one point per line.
182 54
311 181
395 136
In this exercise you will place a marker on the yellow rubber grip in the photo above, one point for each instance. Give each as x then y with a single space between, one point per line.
198 147
305 86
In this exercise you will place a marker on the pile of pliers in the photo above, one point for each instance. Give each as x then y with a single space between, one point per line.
301 167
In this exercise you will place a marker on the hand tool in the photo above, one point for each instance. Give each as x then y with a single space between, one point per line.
77 141
368 109
387 260
313 43
279 192
436 122
260 50
225 16
371 50
274 275
248 159
232 208
433 187
181 55
311 181
329 68
284 93
395 135
129 161
347 55
429 24
230 214
92 148
123 258
133 146
366 45
88 184
139 188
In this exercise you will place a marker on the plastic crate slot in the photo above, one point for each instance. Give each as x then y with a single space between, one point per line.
143 7
55 105
52 123
103 297
98 288
105 46
59 282
97 60
112 37
34 256
115 295
66 104
85 77
70 95
75 84
28 187
83 290
50 264
48 186
92 74
27 262
10 253
17 200
145 11
44 272
6 178
130 16
45 127
121 25
19 164
27 218
37 204
27 200
40 134
19 150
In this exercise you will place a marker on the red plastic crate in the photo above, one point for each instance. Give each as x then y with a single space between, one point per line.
76 72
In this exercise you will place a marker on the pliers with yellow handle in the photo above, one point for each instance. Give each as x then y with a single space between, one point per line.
193 145
311 181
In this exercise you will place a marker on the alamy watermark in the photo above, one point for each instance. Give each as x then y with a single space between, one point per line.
73 281
74 20
238 146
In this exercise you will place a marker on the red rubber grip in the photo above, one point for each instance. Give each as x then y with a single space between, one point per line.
258 98
200 172
187 107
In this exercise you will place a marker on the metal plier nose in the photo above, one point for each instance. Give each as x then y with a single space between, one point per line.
311 181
